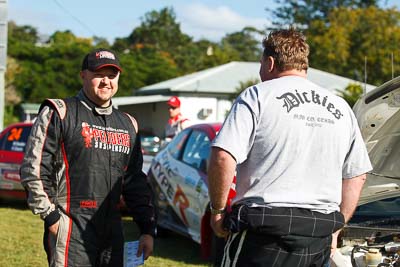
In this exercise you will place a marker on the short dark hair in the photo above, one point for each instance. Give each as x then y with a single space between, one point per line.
289 49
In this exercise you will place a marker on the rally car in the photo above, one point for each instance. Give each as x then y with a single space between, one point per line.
178 175
12 148
372 237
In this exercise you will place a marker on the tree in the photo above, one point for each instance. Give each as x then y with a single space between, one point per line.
352 35
244 43
120 44
144 66
351 93
12 97
21 33
242 86
303 12
50 71
198 55
160 29
159 33
20 38
100 42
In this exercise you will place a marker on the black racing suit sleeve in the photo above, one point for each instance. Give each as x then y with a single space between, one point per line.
137 192
38 168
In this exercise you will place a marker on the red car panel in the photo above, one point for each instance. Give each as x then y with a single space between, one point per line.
12 148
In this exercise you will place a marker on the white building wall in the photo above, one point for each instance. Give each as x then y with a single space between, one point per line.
224 106
199 109
204 109
152 117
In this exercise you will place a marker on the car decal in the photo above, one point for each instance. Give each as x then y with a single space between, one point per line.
199 185
18 146
182 201
163 181
162 172
9 159
15 134
11 175
8 186
190 181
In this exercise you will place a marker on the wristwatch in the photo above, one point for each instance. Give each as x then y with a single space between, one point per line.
216 211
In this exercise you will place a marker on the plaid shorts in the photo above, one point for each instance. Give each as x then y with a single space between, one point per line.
283 221
249 248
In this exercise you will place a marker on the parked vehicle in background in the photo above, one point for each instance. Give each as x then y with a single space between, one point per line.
374 230
178 175
150 142
12 148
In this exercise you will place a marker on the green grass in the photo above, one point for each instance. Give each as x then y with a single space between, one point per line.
21 236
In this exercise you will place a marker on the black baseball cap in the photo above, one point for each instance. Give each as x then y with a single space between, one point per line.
100 58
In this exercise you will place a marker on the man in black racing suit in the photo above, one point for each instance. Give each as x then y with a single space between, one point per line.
82 155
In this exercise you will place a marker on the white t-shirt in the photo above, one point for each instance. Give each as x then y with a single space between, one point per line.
294 142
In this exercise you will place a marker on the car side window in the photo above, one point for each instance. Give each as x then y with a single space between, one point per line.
15 139
175 147
197 151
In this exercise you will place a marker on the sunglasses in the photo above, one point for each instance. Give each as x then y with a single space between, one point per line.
169 107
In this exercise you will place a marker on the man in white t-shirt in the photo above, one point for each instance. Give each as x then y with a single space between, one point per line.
300 162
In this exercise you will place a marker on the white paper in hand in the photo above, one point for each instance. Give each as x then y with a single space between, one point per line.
130 250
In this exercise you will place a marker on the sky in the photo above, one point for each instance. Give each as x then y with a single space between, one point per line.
209 19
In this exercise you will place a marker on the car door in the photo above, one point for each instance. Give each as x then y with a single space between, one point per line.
166 174
12 147
195 155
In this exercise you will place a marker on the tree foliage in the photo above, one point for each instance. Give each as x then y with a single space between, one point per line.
155 51
353 37
12 97
303 12
23 34
244 44
161 30
52 70
351 93
144 66
242 86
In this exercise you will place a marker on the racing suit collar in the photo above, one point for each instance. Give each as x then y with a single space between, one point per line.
92 106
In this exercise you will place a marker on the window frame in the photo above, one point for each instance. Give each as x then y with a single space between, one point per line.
199 165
